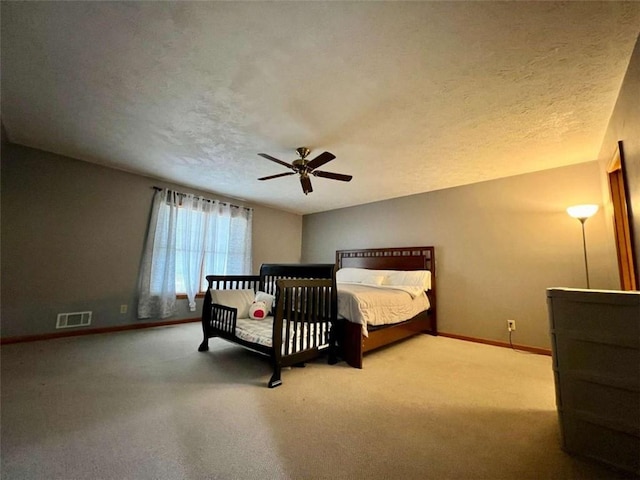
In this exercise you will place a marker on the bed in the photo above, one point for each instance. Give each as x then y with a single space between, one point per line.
300 316
354 338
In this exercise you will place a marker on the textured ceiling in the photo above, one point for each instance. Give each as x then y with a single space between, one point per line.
410 97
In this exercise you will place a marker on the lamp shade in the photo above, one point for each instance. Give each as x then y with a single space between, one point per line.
582 212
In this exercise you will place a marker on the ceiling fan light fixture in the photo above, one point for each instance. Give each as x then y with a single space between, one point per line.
304 167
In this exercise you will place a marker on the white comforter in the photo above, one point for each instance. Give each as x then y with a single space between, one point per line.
378 305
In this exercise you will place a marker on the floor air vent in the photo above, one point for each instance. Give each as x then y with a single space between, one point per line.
74 319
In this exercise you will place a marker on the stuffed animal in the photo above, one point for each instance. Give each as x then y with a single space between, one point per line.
258 310
267 298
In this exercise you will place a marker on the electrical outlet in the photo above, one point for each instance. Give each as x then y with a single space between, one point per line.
123 308
511 325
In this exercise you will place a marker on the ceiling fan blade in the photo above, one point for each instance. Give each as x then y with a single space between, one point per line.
278 175
333 176
320 160
269 157
305 181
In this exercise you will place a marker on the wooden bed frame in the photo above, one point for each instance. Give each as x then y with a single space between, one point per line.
352 344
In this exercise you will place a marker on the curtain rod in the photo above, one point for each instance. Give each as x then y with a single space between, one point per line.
180 194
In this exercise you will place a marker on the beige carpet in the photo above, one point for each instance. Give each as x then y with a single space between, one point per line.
146 405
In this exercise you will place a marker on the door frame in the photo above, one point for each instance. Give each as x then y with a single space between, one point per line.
619 194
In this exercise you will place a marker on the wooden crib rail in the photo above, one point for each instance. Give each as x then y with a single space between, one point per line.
222 282
270 273
305 309
228 282
225 318
303 322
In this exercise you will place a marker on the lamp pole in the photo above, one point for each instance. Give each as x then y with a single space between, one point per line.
584 248
581 213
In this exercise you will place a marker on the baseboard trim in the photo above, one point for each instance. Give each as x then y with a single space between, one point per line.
136 326
526 348
93 331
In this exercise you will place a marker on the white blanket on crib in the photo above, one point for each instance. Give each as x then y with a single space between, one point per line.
261 332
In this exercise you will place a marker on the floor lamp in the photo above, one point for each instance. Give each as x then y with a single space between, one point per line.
582 212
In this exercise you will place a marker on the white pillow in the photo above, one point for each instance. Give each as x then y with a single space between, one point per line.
409 278
373 279
239 299
352 275
267 298
360 275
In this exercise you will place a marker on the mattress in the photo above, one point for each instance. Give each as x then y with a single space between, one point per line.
260 332
370 305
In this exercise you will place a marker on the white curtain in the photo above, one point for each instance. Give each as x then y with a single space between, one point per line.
190 237
157 286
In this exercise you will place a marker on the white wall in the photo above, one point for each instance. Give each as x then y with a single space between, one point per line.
499 245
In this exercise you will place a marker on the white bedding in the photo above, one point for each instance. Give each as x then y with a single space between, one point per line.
378 305
260 331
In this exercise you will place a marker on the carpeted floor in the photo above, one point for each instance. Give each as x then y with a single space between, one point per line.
145 404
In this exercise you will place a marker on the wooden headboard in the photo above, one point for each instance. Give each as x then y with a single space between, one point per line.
403 258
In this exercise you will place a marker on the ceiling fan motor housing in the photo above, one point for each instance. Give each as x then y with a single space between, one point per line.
298 164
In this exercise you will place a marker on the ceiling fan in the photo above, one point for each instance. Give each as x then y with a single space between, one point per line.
305 167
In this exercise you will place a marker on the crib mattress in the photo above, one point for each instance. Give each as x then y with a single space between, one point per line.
261 332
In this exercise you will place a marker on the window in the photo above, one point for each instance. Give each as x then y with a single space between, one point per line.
191 237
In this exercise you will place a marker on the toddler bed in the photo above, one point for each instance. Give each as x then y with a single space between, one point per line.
299 314
384 295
